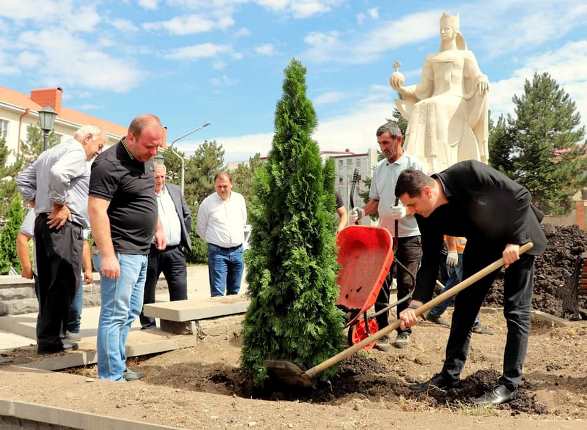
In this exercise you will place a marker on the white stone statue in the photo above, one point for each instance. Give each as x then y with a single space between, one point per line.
447 111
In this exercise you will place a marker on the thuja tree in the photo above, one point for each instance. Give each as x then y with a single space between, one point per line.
292 260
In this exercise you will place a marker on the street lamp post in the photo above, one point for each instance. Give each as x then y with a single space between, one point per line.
46 123
189 133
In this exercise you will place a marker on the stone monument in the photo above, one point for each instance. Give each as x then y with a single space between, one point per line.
447 111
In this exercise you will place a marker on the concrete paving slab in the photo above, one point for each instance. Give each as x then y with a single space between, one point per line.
198 309
10 341
70 418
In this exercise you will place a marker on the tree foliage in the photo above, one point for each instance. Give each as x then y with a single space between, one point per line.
292 260
8 257
542 146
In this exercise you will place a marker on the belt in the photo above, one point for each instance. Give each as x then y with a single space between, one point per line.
229 248
167 248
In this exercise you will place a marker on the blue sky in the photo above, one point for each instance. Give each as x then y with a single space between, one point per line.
222 61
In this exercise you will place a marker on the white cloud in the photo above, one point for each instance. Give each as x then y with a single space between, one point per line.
567 65
242 32
329 98
266 49
300 8
124 25
148 4
28 59
223 81
535 23
354 130
373 13
219 65
196 52
189 24
70 61
69 15
389 35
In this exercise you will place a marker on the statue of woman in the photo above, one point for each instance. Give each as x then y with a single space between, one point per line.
447 111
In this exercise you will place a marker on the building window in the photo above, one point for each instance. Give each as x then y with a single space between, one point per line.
340 164
349 162
3 129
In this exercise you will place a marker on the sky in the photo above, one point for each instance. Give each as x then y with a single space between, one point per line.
222 61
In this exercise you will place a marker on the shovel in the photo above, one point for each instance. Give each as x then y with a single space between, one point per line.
291 374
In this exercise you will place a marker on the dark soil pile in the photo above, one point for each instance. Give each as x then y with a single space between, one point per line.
477 384
370 378
555 291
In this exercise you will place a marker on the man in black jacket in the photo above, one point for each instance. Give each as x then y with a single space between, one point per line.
176 220
473 200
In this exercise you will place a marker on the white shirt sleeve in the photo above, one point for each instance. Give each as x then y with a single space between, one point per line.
202 222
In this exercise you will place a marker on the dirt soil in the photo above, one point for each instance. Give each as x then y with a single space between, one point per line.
203 386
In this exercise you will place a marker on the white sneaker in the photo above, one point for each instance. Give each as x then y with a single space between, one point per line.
72 337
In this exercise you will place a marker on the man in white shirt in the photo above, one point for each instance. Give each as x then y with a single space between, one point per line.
176 219
221 222
392 216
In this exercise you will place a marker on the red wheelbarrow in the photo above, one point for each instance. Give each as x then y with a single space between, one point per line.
365 256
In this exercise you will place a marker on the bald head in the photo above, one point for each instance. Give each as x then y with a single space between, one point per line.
145 136
160 173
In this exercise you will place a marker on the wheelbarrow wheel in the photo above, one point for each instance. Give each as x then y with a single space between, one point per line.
358 331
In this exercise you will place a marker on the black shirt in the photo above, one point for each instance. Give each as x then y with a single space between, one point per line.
486 207
130 186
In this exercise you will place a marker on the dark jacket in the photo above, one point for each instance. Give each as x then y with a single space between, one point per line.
185 216
486 207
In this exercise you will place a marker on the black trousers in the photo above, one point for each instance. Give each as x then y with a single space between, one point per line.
518 286
409 253
58 255
172 263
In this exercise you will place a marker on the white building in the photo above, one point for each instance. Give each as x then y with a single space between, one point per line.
18 111
345 165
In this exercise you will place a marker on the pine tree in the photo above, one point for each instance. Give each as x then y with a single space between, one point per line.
292 260
548 149
8 257
500 146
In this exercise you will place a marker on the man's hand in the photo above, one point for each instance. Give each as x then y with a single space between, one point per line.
27 272
356 214
88 278
109 267
397 212
59 216
452 259
511 254
408 316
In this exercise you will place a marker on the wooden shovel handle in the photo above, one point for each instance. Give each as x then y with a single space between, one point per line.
319 368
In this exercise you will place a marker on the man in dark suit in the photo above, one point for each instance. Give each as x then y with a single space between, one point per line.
494 213
176 219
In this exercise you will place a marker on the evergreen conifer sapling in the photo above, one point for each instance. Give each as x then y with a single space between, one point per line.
292 261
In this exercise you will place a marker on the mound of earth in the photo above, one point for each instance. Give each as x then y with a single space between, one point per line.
554 289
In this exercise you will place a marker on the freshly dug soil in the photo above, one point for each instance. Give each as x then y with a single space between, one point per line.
555 291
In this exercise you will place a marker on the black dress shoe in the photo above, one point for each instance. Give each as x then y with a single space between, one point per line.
56 348
437 382
496 396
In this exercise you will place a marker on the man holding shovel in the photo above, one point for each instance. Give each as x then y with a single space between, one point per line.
473 200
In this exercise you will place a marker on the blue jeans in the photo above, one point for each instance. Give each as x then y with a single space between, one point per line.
75 309
122 300
225 269
455 276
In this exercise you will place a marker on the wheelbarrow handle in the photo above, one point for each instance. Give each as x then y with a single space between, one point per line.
319 368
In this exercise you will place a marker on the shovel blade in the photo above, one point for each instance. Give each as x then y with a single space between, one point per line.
288 373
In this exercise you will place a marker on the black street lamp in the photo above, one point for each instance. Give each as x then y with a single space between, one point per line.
46 123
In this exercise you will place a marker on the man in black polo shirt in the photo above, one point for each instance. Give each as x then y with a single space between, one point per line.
123 216
473 200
